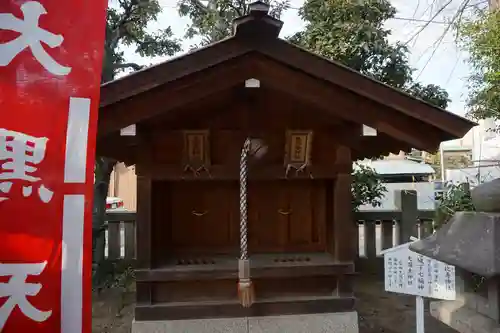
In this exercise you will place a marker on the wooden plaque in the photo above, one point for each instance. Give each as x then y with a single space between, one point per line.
196 149
298 148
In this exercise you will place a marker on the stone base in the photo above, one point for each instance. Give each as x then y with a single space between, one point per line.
342 322
461 318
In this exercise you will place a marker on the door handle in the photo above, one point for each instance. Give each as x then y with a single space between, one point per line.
195 213
282 212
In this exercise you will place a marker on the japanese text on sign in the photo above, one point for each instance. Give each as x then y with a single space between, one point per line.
31 36
407 272
17 290
21 154
51 56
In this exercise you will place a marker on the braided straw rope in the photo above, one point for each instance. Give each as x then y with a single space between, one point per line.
245 288
243 201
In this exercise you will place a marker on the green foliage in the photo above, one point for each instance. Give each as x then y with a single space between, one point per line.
430 93
126 24
112 274
367 187
353 33
456 198
213 21
120 276
480 36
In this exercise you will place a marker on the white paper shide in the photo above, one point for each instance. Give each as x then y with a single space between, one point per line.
407 272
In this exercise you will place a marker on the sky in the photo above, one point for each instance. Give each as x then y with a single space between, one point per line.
435 62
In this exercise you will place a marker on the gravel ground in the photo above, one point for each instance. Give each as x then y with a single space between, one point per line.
379 311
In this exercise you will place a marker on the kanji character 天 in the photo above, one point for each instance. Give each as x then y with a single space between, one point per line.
31 36
17 290
19 156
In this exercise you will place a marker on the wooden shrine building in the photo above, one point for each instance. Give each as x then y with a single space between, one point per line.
192 115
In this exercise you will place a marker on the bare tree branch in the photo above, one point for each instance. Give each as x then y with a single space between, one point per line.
439 11
236 9
456 17
132 65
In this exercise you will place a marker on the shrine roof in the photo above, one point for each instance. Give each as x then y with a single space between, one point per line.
255 41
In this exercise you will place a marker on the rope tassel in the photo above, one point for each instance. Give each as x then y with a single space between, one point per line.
246 292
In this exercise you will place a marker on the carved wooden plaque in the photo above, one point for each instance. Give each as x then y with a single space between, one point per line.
298 148
196 150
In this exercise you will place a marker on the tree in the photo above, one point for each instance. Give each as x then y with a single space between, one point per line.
350 32
213 21
126 25
367 187
353 33
480 36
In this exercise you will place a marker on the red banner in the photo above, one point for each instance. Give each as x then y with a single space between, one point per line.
50 67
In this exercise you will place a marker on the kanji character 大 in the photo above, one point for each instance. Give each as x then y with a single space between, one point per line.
17 290
20 155
31 36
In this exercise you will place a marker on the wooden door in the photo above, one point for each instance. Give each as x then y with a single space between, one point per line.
286 216
306 215
265 223
221 206
201 217
187 200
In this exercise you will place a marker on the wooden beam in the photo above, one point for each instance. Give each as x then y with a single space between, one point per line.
333 72
349 134
230 309
174 69
346 105
225 172
169 97
179 273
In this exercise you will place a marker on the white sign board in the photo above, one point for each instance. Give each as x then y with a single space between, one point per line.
407 272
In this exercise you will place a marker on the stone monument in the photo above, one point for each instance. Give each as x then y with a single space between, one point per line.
471 242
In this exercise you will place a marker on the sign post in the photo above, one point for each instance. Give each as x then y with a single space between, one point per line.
419 309
406 272
50 70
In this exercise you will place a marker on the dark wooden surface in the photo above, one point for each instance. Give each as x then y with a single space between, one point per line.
263 266
343 228
225 172
310 212
143 225
202 218
229 309
122 93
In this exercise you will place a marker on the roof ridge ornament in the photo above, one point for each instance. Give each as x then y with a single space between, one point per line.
259 6
257 23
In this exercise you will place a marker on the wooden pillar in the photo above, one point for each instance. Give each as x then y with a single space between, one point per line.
343 228
144 199
143 222
144 216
